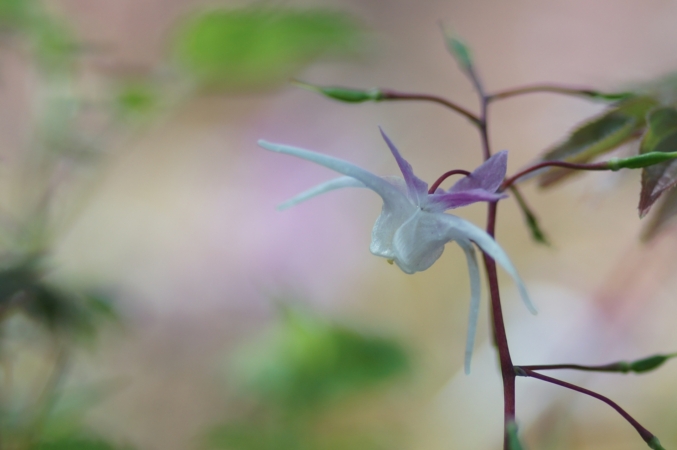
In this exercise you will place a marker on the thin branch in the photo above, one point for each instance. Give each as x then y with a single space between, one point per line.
444 176
615 367
499 334
643 365
530 218
557 89
388 94
566 165
648 437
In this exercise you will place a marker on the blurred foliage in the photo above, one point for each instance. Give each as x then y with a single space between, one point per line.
458 49
649 118
598 136
78 443
256 47
514 442
23 288
137 100
661 136
300 372
306 363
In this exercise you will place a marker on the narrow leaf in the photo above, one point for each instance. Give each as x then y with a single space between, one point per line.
343 94
513 438
258 46
662 217
530 218
650 363
458 50
647 160
661 136
598 136
655 444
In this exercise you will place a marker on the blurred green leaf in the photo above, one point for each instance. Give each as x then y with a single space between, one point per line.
16 278
655 444
661 136
66 416
15 14
254 436
514 442
343 94
255 47
54 43
650 363
137 100
458 49
308 362
598 136
69 312
79 443
662 217
530 218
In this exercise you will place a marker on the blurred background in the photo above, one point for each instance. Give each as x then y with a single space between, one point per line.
154 298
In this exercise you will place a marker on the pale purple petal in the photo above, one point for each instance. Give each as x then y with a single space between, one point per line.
475 295
443 201
417 188
336 183
462 229
488 176
390 194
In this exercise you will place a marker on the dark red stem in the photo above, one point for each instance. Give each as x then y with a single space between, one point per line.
388 94
615 367
555 89
643 432
499 335
566 165
444 176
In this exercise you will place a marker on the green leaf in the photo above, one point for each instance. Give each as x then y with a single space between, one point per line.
661 136
598 136
662 217
15 14
69 408
458 49
646 160
650 363
253 436
513 437
79 443
54 44
65 311
655 444
16 279
136 100
257 47
347 95
307 362
530 218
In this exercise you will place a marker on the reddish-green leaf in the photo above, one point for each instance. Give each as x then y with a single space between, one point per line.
598 136
661 136
663 215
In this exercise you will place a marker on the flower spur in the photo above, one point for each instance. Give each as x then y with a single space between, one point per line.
413 227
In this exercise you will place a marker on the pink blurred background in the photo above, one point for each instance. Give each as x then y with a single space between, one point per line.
184 221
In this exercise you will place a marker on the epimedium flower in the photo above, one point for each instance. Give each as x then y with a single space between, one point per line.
413 227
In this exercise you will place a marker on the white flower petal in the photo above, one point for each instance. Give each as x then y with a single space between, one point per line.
420 241
336 183
383 233
475 294
390 194
480 237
